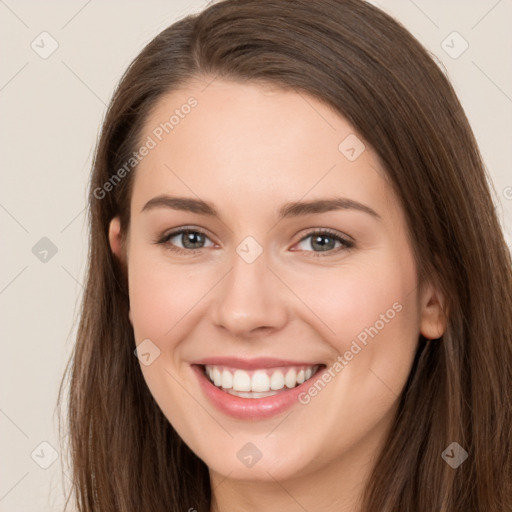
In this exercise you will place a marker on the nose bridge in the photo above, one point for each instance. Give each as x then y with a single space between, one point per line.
250 297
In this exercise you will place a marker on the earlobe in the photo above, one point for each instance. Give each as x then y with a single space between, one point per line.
433 314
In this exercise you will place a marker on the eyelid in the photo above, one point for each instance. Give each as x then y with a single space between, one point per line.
334 233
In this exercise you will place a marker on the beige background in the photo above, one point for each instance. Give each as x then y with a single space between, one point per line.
51 110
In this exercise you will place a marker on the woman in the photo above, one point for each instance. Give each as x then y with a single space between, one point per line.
298 295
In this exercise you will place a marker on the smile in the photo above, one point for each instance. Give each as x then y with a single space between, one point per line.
254 389
258 383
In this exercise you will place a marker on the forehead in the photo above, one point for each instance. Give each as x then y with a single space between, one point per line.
253 143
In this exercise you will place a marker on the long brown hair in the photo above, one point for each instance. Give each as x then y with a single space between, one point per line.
125 456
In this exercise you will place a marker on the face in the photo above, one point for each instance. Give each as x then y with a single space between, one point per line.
305 317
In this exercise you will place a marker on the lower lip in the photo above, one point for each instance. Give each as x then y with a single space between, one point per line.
250 408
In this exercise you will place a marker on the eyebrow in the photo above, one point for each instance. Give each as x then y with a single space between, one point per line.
291 209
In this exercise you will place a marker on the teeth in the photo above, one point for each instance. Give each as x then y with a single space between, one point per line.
258 383
242 394
217 378
241 381
277 380
227 379
291 378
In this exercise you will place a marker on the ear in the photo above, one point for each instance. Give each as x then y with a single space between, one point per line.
115 238
433 318
117 246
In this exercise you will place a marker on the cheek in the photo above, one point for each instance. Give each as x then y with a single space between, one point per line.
372 323
369 315
354 299
162 299
160 294
374 313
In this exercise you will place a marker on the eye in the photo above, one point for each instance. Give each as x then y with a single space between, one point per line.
325 240
192 240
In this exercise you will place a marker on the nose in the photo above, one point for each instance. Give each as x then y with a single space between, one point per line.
251 299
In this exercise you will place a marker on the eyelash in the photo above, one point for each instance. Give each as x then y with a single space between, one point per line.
346 244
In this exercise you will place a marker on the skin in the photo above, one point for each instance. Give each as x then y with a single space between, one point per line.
248 148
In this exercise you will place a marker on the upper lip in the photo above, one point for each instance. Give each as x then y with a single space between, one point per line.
250 364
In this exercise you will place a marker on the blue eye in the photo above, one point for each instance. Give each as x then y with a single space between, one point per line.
192 241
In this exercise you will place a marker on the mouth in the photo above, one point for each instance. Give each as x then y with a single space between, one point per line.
257 389
261 382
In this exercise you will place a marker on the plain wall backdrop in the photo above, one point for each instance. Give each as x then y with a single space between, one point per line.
60 64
